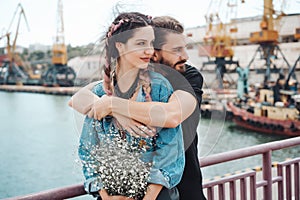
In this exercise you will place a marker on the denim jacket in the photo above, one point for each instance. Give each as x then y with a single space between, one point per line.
168 155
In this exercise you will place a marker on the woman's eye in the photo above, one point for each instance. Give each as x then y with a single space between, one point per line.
141 43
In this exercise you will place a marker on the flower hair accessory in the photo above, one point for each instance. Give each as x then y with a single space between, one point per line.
114 27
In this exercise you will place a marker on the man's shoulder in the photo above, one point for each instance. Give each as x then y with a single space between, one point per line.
192 71
193 75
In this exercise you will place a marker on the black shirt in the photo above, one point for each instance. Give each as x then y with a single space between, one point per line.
190 81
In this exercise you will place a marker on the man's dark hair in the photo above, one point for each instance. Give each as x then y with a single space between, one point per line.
164 25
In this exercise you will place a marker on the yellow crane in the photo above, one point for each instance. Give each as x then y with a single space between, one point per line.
267 34
59 74
218 40
267 38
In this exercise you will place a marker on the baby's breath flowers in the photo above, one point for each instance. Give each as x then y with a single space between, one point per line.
117 164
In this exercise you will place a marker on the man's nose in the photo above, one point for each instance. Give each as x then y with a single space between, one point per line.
184 55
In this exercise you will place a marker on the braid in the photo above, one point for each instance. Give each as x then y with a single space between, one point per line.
107 73
145 82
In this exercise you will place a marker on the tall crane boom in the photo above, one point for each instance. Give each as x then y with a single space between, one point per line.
59 49
59 74
10 48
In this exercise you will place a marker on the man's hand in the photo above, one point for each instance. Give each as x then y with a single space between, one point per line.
135 128
83 101
104 195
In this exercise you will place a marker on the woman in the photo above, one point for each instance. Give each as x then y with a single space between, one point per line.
128 52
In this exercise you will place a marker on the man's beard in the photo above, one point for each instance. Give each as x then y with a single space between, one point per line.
178 66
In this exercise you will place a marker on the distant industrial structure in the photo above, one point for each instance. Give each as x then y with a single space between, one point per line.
286 28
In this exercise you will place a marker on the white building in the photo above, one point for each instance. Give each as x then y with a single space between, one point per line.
39 47
88 67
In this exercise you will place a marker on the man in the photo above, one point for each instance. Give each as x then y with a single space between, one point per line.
182 106
170 50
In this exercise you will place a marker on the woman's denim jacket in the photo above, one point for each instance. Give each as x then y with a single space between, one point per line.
168 157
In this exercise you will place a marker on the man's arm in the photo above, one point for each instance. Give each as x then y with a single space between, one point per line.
169 115
180 105
83 100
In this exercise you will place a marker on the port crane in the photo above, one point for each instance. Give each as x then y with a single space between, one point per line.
267 39
13 69
59 74
218 40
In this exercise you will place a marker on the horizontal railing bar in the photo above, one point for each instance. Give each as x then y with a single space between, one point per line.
59 193
289 162
229 178
277 179
261 183
248 151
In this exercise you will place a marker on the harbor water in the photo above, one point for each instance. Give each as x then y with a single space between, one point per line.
39 136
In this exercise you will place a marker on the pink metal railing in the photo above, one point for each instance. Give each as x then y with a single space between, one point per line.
287 165
267 180
232 180
248 183
59 193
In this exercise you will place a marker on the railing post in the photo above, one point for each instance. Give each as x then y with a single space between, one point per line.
280 182
267 174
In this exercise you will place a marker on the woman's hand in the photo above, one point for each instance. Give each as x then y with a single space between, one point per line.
104 195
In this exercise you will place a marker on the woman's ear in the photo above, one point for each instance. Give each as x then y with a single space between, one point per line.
119 47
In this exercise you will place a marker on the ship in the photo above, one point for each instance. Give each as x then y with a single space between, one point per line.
266 114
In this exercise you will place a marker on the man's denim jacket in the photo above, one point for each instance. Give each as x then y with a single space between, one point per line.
168 157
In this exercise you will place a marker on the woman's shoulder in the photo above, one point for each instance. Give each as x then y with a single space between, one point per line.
98 89
161 89
159 79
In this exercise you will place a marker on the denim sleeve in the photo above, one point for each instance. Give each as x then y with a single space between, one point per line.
88 141
168 157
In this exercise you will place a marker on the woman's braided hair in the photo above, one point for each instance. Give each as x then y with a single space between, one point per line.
124 22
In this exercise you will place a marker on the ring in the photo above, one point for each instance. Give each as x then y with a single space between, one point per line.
143 128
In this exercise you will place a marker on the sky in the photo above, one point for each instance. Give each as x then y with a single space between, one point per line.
86 20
